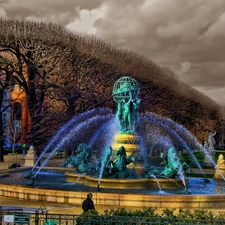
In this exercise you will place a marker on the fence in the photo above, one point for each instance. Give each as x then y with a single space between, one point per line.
41 217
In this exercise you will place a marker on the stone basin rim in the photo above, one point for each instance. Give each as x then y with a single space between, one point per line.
209 201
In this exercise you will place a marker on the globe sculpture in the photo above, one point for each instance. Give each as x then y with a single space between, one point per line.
125 94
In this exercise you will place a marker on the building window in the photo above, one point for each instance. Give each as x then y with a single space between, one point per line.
17 111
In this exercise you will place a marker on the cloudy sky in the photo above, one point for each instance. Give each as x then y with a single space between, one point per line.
188 36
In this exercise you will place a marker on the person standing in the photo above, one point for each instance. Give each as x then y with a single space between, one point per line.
88 204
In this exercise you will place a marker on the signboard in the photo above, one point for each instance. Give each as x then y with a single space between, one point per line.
8 219
22 218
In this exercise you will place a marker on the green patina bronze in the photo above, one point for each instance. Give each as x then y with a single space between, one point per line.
125 94
116 168
169 168
80 159
114 163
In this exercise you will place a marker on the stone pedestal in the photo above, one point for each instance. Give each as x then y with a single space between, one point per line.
131 144
220 172
210 158
138 168
31 157
129 141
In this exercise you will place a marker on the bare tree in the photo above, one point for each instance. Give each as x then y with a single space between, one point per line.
70 73
36 54
5 77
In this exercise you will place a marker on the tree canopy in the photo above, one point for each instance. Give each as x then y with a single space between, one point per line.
64 73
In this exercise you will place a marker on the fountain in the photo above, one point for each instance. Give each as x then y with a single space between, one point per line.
122 144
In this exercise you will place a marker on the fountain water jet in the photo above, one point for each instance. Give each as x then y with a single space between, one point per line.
153 176
125 94
70 125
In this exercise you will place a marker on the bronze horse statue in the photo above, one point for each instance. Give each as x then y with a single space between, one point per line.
80 159
120 169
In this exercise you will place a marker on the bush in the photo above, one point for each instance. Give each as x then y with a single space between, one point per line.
147 215
199 156
9 149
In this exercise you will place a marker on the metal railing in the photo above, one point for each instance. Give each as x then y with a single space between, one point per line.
43 218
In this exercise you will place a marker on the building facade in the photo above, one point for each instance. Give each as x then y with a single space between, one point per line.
16 119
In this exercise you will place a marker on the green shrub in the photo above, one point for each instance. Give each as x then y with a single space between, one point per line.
149 215
187 157
168 213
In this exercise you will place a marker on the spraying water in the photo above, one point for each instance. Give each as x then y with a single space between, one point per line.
173 134
153 176
101 125
107 159
184 131
68 126
72 134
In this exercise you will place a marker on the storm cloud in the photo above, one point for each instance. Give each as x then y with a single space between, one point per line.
185 35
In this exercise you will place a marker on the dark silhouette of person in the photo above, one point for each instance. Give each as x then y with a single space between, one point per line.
88 204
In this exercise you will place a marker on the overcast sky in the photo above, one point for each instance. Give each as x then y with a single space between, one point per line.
188 36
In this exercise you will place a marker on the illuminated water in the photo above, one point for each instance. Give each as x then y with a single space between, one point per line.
57 180
97 128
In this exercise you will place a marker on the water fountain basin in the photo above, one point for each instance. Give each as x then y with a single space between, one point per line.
47 190
127 183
